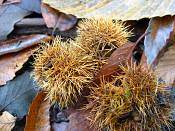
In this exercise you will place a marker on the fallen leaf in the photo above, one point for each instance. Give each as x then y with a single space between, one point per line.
7 121
38 118
20 43
17 95
11 63
12 13
120 9
159 33
56 19
121 55
78 122
165 67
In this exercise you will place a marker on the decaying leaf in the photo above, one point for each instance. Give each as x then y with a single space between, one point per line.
56 19
7 121
119 56
17 95
120 9
12 13
11 63
159 33
166 66
20 43
38 118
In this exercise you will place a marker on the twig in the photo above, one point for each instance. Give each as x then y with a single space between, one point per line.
141 37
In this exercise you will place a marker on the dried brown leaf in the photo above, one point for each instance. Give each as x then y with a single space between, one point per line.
7 121
165 68
38 118
159 33
120 9
56 19
119 56
11 63
20 43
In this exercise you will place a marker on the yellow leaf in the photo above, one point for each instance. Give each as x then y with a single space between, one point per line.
7 121
119 9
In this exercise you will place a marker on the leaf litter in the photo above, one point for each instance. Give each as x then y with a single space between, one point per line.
18 88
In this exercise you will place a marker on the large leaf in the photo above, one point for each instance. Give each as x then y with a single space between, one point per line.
38 118
7 121
158 35
17 95
166 66
120 9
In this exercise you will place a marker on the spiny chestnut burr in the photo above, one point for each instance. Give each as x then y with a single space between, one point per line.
100 36
128 102
62 70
